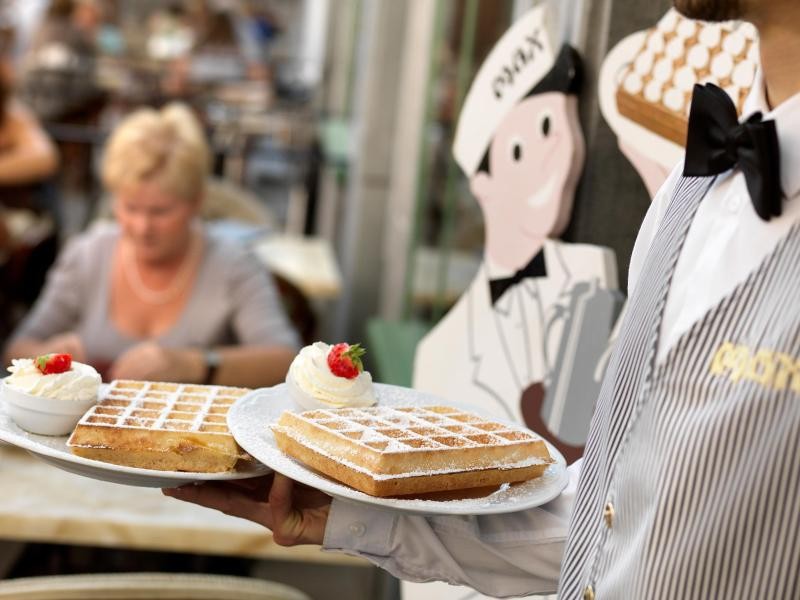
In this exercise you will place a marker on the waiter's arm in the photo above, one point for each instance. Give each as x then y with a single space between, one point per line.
499 555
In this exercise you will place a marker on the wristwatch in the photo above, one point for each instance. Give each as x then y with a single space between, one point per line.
213 360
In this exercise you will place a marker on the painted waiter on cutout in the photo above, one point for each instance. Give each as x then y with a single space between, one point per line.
531 327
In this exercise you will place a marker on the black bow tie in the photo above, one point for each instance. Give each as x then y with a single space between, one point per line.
717 142
534 268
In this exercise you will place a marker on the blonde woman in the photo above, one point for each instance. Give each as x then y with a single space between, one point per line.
154 296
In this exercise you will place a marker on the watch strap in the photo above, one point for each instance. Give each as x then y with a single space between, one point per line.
213 360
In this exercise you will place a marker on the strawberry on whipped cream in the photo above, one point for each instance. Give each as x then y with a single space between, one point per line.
313 381
79 384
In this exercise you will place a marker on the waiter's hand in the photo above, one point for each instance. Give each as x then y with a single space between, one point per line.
296 514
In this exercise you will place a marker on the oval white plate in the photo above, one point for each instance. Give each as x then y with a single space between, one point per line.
250 416
54 450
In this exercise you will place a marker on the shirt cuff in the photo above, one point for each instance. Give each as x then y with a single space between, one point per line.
359 528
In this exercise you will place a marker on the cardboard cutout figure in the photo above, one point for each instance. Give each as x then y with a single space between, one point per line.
646 82
525 338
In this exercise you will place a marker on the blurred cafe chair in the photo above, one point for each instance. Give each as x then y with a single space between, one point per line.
28 249
141 586
224 200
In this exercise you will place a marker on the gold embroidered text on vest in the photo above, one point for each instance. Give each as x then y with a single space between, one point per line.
775 370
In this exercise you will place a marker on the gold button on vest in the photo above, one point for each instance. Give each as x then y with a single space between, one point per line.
588 593
608 514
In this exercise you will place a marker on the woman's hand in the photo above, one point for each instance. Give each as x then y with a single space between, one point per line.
296 514
152 362
65 343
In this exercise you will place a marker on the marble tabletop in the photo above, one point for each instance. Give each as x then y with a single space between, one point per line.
40 503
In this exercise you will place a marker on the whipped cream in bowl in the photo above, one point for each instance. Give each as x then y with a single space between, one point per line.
312 384
49 404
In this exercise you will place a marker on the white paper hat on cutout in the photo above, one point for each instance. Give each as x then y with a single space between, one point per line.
519 60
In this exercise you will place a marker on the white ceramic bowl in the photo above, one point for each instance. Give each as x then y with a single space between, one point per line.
43 416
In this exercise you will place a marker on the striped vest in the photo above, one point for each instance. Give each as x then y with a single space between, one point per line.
690 486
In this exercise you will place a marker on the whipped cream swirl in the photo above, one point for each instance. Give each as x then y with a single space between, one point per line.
80 384
312 385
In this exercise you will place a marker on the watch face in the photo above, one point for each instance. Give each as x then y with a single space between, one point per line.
213 358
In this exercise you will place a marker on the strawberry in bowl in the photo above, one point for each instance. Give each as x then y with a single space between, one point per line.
344 360
325 376
49 394
52 364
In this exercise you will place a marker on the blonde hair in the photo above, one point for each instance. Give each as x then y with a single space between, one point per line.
164 146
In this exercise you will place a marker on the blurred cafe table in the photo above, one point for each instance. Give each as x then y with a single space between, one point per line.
307 262
41 503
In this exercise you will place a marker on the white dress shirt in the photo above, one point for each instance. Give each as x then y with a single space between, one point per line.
727 239
520 553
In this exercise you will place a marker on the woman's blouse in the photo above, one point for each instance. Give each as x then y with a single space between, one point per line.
233 301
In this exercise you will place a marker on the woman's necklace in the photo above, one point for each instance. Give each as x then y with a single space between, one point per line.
130 269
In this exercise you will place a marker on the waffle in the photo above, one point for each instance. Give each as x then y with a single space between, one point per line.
656 88
385 451
162 426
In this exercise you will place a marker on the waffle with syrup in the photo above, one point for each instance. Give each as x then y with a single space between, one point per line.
397 451
161 426
655 90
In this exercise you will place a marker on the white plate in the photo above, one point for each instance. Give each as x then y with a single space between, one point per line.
249 417
54 450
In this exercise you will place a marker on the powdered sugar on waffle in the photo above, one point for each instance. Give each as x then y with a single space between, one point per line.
164 406
397 447
370 435
402 430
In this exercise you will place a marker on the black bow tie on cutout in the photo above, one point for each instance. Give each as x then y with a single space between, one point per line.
717 142
535 268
